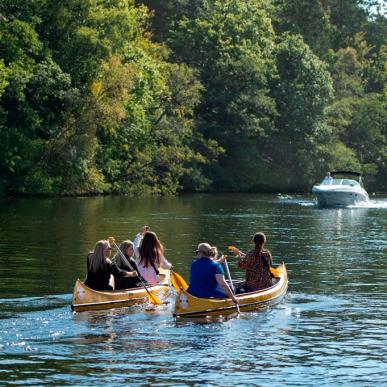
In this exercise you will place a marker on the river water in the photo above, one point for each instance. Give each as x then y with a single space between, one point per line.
331 329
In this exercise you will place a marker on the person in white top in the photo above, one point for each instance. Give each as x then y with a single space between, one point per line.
328 178
149 253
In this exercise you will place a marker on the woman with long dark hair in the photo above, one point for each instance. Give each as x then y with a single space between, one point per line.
257 264
149 253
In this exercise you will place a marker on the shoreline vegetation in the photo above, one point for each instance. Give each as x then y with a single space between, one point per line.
145 98
181 194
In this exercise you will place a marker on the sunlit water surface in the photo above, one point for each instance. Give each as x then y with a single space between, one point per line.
331 329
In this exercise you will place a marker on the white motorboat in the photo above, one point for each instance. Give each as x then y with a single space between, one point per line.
340 189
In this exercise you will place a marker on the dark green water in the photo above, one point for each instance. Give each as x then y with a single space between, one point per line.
331 329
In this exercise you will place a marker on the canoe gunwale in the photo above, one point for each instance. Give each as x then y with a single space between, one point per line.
130 301
128 291
241 307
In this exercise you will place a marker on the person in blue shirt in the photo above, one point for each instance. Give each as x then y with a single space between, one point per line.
207 276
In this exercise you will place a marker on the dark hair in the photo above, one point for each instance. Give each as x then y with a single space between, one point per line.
259 240
151 250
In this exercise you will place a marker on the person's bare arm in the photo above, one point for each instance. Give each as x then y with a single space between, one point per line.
237 252
131 273
223 284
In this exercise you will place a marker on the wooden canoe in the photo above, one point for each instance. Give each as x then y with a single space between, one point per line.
85 298
187 305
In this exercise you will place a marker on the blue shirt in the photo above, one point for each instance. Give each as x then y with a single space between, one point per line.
203 282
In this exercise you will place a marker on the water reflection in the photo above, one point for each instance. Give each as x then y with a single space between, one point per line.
334 312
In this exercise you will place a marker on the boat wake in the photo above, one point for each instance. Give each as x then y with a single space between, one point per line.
13 306
301 201
373 203
311 202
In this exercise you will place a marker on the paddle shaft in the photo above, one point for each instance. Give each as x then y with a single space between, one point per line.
229 276
139 277
231 283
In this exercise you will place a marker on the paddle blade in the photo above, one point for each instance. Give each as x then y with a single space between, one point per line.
154 299
232 248
275 272
178 282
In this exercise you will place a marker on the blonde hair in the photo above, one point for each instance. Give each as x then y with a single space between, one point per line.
205 249
97 257
213 252
123 248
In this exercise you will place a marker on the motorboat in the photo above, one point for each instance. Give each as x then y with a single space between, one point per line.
341 188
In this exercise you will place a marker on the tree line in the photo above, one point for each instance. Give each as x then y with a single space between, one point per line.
159 97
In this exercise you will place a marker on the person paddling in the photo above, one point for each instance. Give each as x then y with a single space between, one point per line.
100 267
149 253
214 255
257 264
207 276
125 261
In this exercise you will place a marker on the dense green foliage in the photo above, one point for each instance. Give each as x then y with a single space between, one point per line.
145 97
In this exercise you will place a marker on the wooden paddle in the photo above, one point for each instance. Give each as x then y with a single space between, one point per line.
178 281
275 272
152 297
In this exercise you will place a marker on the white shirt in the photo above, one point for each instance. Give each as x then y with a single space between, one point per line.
327 179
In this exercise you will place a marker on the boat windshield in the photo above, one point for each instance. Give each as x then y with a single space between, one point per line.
330 181
349 182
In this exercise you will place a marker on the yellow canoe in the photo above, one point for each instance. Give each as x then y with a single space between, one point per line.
187 305
85 298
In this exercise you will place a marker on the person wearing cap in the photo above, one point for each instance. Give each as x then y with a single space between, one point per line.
207 276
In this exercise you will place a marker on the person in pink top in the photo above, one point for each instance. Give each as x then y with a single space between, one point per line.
149 253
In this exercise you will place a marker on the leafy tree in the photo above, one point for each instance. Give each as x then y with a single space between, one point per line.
91 101
302 93
4 75
167 13
308 18
230 44
357 116
366 133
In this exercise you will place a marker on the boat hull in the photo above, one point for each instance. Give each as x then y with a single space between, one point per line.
340 196
85 298
189 306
